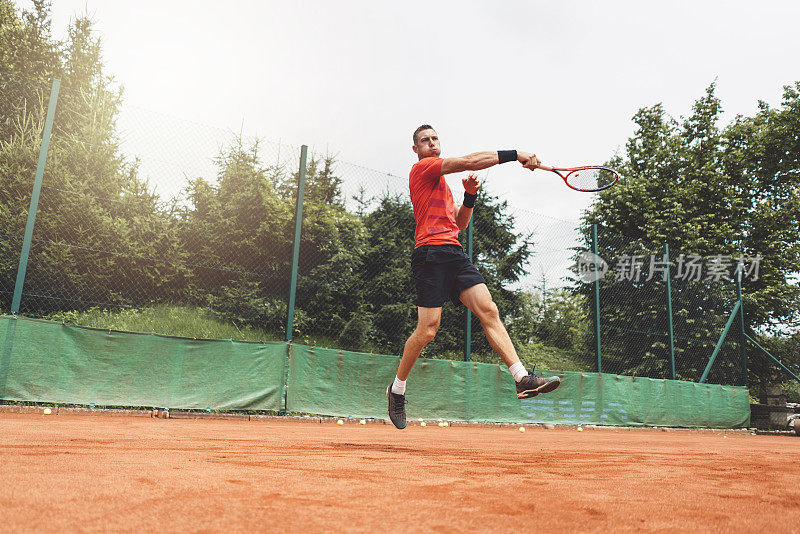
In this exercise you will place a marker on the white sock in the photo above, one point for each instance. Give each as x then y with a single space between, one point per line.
518 371
399 386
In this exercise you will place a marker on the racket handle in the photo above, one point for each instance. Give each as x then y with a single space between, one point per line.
544 167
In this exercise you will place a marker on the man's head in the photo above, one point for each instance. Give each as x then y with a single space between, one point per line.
426 142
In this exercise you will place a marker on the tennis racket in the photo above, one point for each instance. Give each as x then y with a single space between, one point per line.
589 178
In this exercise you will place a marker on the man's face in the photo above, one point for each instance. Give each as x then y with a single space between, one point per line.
427 144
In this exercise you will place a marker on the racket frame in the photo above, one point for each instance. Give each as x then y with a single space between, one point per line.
569 170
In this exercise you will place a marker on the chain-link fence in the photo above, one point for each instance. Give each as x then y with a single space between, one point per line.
145 222
354 284
662 312
23 105
148 223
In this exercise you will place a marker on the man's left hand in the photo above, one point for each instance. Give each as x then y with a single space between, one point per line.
471 183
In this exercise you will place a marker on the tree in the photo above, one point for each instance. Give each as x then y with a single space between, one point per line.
26 52
239 233
388 288
98 227
27 49
236 233
706 191
762 156
556 318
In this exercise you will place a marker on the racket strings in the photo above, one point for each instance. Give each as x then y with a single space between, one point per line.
592 179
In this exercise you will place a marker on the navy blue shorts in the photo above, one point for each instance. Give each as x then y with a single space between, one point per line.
442 272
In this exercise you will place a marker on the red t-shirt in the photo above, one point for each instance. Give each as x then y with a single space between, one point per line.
432 199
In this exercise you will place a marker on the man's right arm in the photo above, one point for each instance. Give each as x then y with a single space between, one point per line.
483 160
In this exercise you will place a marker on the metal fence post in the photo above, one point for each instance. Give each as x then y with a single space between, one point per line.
669 310
774 359
298 224
37 188
468 323
742 333
597 348
721 340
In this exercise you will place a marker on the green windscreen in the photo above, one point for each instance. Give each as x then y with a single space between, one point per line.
353 384
606 399
48 362
350 384
44 361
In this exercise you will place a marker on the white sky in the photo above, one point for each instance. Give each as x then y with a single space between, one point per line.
561 79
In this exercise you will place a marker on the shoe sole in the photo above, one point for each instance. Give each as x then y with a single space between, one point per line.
390 416
544 388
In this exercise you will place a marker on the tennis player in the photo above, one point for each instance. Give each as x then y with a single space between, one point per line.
441 268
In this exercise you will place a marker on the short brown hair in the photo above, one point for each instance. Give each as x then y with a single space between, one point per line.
418 130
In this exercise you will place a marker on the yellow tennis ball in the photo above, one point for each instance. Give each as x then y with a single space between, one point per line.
522 429
339 422
47 411
580 429
362 422
423 424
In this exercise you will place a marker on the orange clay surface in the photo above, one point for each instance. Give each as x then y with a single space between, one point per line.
64 473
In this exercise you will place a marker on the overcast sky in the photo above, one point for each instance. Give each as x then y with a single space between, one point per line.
561 79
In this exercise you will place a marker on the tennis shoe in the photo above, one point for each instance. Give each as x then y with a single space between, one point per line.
397 408
533 384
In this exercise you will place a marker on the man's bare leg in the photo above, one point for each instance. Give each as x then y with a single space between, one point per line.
427 325
478 299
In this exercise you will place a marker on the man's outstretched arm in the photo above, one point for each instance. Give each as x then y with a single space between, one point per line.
483 160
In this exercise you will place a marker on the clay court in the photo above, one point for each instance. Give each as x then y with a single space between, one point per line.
125 474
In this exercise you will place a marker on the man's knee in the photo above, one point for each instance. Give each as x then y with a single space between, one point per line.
428 329
487 311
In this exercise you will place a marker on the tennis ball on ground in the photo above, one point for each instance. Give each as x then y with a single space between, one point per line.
47 411
362 422
422 424
522 429
339 422
580 429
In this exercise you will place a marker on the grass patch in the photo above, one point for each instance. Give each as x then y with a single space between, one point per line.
181 321
535 354
553 359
